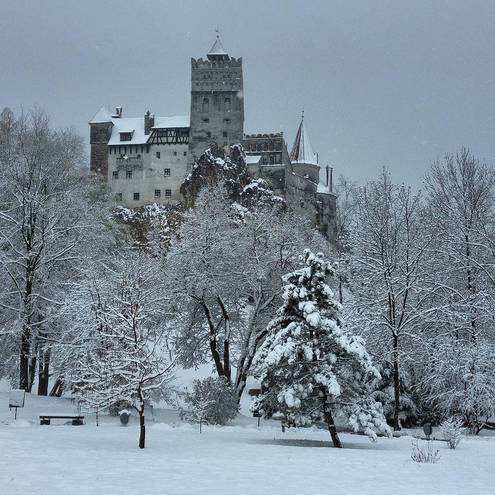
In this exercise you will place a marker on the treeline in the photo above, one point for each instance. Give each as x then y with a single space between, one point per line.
418 273
106 302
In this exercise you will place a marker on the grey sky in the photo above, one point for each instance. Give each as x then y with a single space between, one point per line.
385 82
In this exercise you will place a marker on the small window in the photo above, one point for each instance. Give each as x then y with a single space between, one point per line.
128 174
136 196
158 154
115 174
206 121
185 153
226 121
227 104
118 196
168 193
158 193
166 172
224 133
175 153
125 136
206 105
208 134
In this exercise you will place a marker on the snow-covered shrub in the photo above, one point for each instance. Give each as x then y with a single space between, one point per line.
424 452
309 366
451 430
211 401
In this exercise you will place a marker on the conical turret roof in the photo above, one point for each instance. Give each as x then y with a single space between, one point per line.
302 151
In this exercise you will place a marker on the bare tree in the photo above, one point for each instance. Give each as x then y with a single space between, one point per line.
42 219
388 250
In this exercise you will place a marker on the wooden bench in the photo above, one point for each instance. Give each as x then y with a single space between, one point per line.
45 419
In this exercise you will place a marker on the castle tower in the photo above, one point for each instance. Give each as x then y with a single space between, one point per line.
100 132
217 104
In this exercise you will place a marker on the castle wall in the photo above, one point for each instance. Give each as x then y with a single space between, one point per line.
148 173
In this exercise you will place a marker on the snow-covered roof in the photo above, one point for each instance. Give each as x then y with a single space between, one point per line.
302 151
135 125
174 121
101 116
253 159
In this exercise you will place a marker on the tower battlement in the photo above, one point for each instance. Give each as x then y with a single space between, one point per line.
200 63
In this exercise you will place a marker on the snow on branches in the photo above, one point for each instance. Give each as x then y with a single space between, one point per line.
119 348
310 368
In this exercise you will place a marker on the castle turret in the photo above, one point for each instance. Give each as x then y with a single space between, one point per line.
217 104
303 159
100 132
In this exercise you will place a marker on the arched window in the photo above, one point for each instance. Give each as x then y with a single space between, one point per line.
227 104
206 105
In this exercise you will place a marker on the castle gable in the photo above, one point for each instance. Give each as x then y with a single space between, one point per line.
135 127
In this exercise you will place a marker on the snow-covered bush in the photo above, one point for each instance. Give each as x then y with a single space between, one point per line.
451 430
309 367
424 452
211 401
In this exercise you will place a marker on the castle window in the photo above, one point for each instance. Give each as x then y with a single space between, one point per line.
115 174
136 196
227 104
205 121
175 153
185 153
128 174
168 193
118 196
158 154
166 172
206 105
224 134
125 136
158 193
208 134
226 121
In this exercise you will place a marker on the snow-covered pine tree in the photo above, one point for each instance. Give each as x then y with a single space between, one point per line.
310 368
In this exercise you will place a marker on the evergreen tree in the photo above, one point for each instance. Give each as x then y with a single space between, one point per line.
310 368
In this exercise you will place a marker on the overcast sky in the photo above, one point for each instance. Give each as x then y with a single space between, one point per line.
383 82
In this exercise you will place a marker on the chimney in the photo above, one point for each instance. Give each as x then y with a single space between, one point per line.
118 113
149 122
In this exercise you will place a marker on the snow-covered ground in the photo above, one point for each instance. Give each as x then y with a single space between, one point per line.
233 460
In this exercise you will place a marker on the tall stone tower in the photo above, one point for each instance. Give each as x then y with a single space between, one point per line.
101 130
217 102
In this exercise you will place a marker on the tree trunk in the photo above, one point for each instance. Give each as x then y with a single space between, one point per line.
24 359
57 388
44 372
332 429
396 420
226 341
32 368
142 428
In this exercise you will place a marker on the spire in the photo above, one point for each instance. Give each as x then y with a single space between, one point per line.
302 152
217 51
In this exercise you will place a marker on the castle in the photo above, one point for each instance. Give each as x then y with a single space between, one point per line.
146 159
